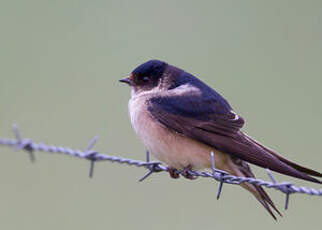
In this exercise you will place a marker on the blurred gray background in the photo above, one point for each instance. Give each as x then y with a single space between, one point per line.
60 66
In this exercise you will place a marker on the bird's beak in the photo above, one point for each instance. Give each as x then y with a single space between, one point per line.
126 80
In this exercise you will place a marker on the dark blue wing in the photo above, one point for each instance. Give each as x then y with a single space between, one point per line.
208 118
207 105
208 102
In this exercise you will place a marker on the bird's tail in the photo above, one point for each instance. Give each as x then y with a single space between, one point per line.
296 170
244 170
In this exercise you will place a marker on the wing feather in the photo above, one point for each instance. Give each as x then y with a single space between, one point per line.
214 123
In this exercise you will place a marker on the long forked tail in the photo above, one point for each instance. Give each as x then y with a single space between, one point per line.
291 168
256 190
262 197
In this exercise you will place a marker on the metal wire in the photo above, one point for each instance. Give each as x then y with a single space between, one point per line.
153 166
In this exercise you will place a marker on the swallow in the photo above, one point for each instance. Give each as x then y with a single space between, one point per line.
180 120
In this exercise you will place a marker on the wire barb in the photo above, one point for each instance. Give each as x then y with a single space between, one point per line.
24 144
288 192
152 166
219 175
91 155
213 167
285 190
287 199
270 175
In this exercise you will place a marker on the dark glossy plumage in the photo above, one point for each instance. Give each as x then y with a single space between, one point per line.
190 105
180 120
209 119
152 68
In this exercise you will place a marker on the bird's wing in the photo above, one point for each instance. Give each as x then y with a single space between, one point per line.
210 113
211 120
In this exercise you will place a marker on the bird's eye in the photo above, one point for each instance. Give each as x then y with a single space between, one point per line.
145 79
141 80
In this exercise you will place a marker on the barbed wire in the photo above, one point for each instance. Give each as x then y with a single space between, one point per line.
93 156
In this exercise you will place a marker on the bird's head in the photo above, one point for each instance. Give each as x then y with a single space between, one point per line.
146 76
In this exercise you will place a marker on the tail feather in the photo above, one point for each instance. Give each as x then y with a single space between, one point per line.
290 163
291 168
267 200
256 190
263 198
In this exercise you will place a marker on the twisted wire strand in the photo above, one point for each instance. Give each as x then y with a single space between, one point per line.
153 166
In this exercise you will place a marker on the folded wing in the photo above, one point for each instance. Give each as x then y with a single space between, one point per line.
210 119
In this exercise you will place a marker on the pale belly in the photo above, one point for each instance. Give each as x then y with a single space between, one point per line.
168 146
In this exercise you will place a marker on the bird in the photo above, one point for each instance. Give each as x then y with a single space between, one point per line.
181 120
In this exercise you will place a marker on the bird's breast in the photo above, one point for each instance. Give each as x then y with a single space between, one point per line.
166 145
143 124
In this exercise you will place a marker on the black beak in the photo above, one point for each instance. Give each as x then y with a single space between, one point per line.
126 80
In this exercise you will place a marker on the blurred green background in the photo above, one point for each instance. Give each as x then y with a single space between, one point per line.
60 65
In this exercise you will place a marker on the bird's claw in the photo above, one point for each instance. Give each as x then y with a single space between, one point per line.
173 173
186 173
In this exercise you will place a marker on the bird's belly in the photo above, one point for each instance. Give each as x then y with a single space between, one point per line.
168 146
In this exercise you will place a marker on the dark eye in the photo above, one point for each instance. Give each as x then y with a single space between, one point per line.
142 80
145 79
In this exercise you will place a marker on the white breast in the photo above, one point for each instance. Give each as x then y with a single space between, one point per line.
167 146
141 120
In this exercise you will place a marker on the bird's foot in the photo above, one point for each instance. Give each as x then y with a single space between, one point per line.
186 173
173 173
